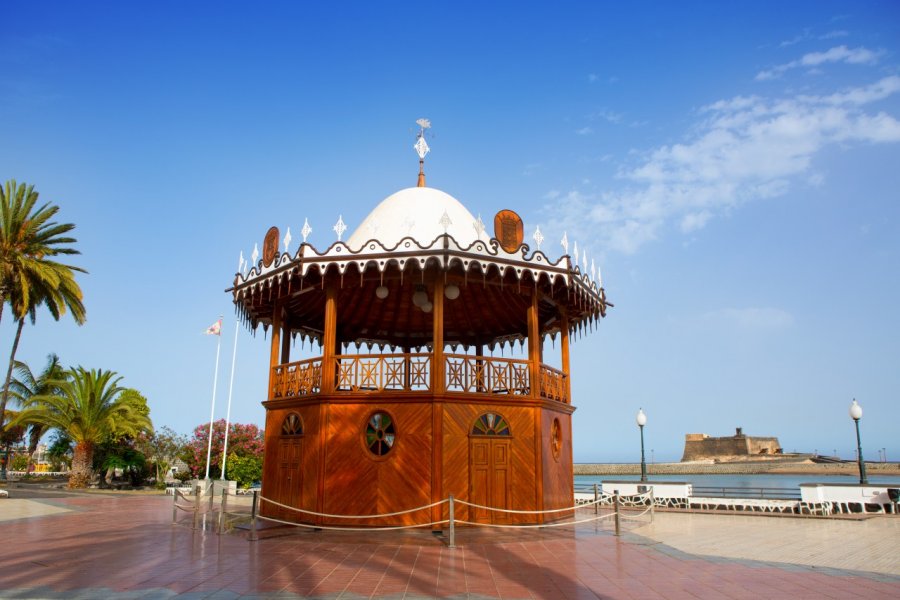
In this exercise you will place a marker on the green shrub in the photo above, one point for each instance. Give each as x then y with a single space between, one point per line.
19 462
245 470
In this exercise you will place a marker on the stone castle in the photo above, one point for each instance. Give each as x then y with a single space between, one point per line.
699 446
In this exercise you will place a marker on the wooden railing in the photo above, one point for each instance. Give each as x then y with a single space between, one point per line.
297 378
378 372
464 373
487 375
554 384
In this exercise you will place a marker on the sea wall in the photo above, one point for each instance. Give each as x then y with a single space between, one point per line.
736 468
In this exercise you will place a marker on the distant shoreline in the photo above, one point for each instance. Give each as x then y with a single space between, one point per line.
805 467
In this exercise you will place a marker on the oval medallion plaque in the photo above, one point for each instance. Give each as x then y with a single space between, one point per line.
270 246
508 230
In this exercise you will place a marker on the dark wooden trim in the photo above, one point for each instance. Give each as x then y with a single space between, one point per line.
418 398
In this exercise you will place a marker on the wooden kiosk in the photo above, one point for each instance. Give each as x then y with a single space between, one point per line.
404 407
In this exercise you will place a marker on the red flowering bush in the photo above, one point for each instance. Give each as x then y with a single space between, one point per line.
243 441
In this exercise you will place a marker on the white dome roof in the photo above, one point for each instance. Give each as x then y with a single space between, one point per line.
416 212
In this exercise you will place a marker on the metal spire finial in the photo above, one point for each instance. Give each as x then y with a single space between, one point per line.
565 242
445 221
255 256
422 149
538 237
306 230
339 227
287 240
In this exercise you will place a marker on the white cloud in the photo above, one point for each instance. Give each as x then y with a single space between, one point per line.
592 77
797 39
838 54
606 115
584 131
742 149
838 33
695 220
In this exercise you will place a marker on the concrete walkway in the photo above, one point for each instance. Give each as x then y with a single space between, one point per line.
126 547
871 545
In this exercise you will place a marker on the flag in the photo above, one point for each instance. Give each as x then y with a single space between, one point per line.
215 328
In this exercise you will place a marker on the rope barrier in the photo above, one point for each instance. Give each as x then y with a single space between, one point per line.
318 514
592 519
635 517
182 507
352 528
529 512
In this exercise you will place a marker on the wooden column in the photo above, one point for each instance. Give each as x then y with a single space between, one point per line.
329 340
276 337
564 349
285 344
534 368
438 386
438 368
534 346
479 365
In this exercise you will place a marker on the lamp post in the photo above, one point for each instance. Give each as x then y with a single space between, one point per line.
856 415
641 420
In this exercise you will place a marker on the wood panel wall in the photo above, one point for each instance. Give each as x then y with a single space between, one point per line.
358 483
341 476
558 476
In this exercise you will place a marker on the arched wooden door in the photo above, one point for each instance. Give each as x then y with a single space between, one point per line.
489 468
289 487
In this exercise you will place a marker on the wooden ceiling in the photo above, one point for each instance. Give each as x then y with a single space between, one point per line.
489 308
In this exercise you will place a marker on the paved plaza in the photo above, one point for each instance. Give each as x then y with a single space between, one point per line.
125 546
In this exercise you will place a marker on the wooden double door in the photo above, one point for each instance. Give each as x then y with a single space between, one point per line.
489 478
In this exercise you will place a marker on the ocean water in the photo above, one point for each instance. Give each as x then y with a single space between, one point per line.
742 481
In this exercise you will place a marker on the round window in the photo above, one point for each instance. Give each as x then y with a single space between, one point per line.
380 433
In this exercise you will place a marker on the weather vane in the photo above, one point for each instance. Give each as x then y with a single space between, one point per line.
422 148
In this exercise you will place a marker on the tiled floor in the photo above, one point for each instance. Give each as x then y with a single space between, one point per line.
126 547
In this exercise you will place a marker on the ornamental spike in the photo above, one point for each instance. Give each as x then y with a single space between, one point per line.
339 227
538 237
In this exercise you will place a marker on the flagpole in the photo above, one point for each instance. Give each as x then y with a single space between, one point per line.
237 325
212 410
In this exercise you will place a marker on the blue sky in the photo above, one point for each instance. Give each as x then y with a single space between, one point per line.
731 167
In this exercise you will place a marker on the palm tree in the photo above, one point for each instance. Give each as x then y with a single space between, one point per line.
90 408
26 384
29 278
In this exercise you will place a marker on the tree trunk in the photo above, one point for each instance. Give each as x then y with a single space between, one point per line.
34 437
9 371
81 465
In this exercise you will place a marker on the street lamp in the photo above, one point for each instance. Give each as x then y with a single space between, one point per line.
641 420
856 415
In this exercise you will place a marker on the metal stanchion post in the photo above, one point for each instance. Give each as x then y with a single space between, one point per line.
652 503
616 504
211 490
196 506
253 537
452 524
174 505
596 499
